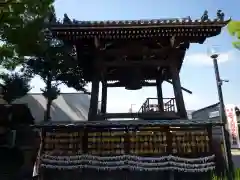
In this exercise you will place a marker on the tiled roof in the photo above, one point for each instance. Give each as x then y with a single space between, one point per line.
195 30
152 22
205 108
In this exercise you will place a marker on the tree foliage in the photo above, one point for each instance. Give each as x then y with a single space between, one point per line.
57 59
22 33
234 30
14 86
55 62
56 65
21 21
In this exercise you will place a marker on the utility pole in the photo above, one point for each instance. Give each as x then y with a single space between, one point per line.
219 81
131 109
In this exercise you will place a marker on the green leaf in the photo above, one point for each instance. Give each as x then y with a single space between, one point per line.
234 30
236 44
233 27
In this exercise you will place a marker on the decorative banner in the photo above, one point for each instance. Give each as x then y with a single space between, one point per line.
233 126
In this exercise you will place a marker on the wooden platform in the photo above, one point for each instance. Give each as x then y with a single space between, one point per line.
145 115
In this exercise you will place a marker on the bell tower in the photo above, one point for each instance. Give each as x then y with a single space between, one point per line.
134 54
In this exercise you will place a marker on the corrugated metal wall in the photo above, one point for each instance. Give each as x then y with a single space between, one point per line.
209 113
68 107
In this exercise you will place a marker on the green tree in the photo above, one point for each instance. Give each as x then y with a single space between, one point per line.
20 24
55 66
234 30
14 86
23 33
55 63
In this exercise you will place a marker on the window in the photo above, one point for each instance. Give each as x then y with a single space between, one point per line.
214 114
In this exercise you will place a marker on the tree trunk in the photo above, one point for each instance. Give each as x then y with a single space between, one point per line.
47 116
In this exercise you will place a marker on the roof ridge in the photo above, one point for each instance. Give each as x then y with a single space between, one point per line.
164 21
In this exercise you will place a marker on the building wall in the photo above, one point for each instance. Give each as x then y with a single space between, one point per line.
210 113
205 112
68 107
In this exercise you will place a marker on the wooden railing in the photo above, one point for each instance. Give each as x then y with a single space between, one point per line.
169 105
151 105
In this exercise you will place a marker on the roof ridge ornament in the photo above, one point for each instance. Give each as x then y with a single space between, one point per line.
66 19
204 17
220 15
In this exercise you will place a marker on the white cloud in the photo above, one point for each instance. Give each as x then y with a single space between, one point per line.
202 59
195 102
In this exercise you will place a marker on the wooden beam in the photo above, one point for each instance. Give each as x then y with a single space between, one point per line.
142 63
147 115
104 97
93 108
119 84
149 84
184 89
136 52
159 82
178 93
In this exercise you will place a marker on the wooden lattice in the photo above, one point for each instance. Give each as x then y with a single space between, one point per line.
63 143
106 143
145 141
190 142
148 142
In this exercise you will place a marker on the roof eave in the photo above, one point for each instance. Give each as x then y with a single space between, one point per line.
105 25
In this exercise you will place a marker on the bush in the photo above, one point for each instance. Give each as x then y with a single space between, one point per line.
14 86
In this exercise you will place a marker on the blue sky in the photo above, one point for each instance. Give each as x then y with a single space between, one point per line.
197 73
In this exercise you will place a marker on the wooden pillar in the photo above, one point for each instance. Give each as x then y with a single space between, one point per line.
178 93
93 108
104 97
159 93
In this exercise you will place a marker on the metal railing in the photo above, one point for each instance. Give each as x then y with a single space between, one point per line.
151 105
